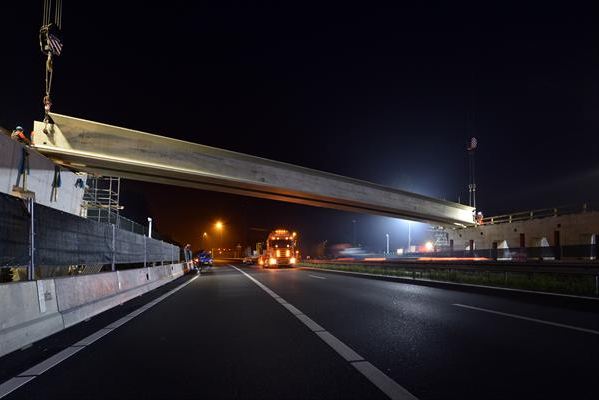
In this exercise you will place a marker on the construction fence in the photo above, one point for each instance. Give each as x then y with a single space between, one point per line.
37 236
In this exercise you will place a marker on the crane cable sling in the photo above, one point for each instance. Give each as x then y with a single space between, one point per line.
51 45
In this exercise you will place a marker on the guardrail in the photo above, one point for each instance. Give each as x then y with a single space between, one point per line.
466 265
496 273
541 213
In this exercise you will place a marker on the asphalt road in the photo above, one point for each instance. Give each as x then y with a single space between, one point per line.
223 336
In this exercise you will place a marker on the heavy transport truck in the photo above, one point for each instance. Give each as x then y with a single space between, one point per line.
281 249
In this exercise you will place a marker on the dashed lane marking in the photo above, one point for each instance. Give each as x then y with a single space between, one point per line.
377 377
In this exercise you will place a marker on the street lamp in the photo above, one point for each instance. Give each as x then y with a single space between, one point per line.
149 227
219 227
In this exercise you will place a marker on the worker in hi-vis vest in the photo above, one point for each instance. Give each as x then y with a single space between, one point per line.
19 135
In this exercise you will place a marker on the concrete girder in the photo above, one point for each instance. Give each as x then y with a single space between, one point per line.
113 151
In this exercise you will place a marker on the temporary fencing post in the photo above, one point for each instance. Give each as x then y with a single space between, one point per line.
113 246
31 269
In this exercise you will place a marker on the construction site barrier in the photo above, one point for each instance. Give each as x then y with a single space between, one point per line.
37 236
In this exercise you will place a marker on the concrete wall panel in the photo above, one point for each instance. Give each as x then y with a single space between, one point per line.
40 179
575 229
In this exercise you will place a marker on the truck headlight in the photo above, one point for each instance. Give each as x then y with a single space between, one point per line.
272 261
292 261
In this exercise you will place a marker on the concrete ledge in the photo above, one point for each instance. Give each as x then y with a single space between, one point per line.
34 310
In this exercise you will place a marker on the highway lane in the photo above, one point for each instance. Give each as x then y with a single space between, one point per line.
220 336
435 349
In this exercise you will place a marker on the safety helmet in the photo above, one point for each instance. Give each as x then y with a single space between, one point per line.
19 128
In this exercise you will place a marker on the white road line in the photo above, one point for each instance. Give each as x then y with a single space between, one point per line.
292 309
341 348
382 381
541 321
309 323
378 378
120 322
51 362
317 277
93 337
13 384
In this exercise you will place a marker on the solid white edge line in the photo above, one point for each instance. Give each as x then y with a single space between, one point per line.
93 337
51 362
341 348
316 276
378 378
310 323
292 309
382 381
540 321
119 322
14 383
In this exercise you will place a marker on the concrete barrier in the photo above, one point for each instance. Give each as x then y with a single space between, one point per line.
29 313
132 278
36 309
157 273
177 270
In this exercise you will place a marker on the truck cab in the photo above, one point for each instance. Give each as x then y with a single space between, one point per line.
281 249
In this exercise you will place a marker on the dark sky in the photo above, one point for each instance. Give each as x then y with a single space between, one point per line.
389 95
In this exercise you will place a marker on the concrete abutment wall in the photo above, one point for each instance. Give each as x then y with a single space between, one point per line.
572 230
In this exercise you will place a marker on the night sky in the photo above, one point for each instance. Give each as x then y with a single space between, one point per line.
389 95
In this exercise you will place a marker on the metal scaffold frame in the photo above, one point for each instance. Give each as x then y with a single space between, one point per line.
101 199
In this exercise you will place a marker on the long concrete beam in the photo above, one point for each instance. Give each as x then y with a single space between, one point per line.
109 150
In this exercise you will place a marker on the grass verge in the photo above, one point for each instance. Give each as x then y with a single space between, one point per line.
574 284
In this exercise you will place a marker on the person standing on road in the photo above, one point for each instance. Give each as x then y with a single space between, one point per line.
187 251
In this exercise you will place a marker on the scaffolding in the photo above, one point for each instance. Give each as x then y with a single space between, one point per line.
101 199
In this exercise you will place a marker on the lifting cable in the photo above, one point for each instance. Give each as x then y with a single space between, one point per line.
51 45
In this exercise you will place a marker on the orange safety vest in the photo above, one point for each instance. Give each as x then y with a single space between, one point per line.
23 138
